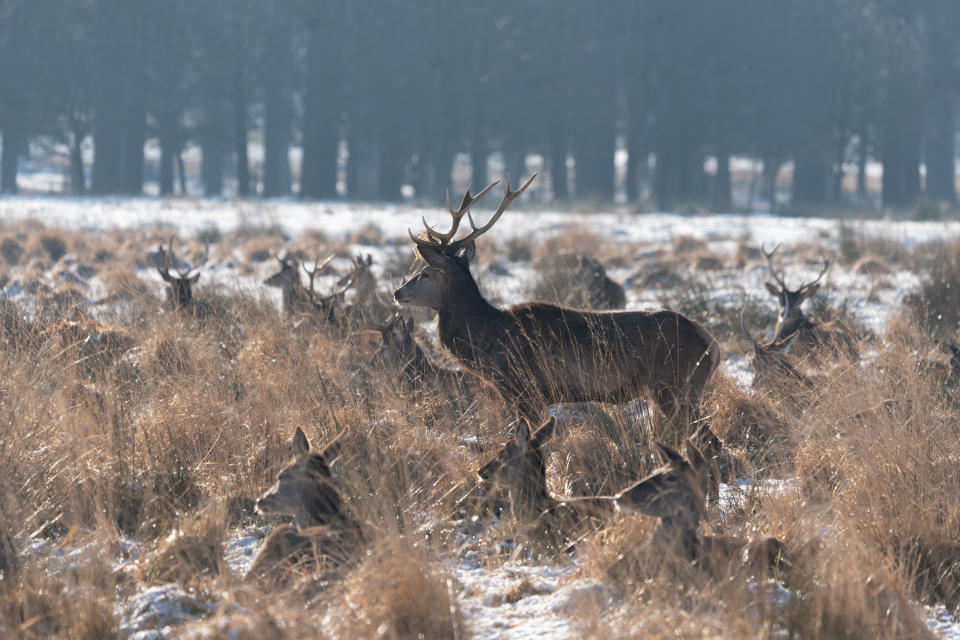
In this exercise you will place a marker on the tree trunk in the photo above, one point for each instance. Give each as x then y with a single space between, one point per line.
479 154
168 152
134 135
322 105
810 179
558 170
78 181
212 163
9 155
240 133
939 150
276 160
722 199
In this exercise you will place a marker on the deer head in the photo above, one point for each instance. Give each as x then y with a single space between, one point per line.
675 492
304 487
447 271
397 346
790 300
769 360
520 470
181 285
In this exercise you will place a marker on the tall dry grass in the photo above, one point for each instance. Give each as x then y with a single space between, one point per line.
165 432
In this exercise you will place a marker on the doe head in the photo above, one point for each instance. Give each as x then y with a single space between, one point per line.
677 490
519 468
304 487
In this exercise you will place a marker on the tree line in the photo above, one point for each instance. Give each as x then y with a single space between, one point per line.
382 95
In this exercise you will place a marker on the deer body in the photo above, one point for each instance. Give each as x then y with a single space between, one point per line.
602 292
322 533
676 494
810 337
299 300
399 350
539 354
519 472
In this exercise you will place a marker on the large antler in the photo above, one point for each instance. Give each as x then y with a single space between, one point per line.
773 269
317 266
445 241
168 255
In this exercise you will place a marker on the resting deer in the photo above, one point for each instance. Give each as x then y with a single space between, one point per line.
322 530
539 354
300 300
601 291
811 335
180 292
519 473
367 302
676 493
771 370
400 352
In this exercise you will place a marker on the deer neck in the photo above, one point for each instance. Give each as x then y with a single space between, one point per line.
678 533
318 509
469 325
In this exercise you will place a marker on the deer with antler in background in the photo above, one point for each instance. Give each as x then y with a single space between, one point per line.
539 354
811 335
301 300
180 291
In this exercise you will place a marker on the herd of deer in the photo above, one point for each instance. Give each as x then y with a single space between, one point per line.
535 355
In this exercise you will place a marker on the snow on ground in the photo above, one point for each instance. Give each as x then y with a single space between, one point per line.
513 600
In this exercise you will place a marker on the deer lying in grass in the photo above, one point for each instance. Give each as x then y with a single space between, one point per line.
811 336
180 291
539 354
601 291
323 534
367 302
676 493
399 351
302 301
519 473
771 370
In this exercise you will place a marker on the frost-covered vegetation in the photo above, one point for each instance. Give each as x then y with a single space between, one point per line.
135 438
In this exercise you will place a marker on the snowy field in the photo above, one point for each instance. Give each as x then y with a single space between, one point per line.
554 592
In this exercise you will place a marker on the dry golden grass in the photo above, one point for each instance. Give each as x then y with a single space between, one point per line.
167 430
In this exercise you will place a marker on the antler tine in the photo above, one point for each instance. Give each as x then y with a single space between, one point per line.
743 325
508 198
443 239
773 270
826 265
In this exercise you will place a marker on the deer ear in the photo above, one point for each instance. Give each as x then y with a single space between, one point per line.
774 291
544 433
193 279
523 434
468 252
694 457
166 276
432 256
667 455
301 446
810 290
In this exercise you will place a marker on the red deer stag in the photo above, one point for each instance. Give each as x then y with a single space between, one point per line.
302 301
180 292
812 336
539 354
676 493
322 531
